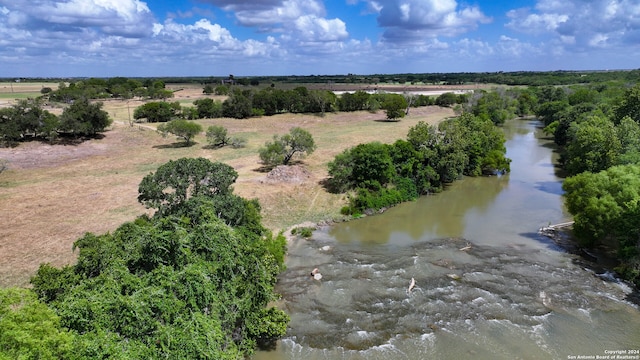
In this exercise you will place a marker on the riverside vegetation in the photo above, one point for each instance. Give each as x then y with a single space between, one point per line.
139 290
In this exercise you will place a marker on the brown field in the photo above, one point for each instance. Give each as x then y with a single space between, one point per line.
52 195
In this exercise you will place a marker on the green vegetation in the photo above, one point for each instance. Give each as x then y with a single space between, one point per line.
183 129
381 175
208 108
29 329
191 282
117 87
303 231
217 137
26 120
597 128
297 142
395 106
158 111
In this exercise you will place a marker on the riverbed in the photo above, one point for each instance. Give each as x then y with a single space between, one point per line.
487 285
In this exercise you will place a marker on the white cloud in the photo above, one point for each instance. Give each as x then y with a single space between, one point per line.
269 14
312 28
578 23
122 17
409 21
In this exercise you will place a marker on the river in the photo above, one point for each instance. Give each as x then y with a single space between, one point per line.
508 294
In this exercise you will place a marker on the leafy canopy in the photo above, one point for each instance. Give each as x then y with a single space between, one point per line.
178 180
29 329
192 282
183 129
297 142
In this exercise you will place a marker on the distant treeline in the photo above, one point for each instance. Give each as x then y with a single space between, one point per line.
532 78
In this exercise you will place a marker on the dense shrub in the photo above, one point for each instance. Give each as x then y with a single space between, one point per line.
382 175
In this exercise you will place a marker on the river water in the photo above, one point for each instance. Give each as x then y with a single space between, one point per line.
508 294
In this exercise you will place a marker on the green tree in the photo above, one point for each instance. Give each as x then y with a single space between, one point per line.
394 105
628 132
604 206
452 157
208 108
629 105
183 129
356 101
496 106
208 89
298 142
222 90
158 111
84 118
176 181
446 99
593 146
173 287
238 105
217 136
548 112
25 120
29 329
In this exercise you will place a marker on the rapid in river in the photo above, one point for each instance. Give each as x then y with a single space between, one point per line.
487 285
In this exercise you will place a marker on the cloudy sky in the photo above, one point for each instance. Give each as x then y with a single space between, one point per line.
52 38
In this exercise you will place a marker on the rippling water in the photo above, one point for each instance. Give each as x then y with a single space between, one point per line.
487 285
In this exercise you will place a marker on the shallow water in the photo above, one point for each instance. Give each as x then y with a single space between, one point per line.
512 294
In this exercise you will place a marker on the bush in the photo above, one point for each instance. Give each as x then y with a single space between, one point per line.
217 136
238 142
280 152
29 329
183 129
303 231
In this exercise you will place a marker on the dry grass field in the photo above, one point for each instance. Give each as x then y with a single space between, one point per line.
52 195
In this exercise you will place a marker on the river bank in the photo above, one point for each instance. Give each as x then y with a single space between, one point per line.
512 294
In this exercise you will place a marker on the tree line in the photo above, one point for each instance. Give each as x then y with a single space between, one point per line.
193 281
111 88
27 120
381 175
598 130
242 104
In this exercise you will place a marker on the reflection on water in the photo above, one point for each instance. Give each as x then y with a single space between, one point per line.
513 294
500 210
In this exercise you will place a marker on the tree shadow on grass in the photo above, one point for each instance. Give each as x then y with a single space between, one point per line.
329 186
212 147
61 139
175 145
267 168
388 120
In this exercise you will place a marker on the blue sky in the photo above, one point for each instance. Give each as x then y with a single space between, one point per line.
50 38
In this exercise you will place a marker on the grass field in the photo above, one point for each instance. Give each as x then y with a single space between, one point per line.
52 195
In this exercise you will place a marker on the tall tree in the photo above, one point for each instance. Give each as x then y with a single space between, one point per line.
593 146
178 180
84 118
238 105
629 105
